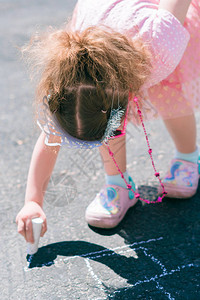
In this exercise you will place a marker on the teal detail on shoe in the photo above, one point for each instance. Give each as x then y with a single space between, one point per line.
199 164
130 193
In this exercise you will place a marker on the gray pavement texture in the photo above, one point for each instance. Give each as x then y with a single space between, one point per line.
152 254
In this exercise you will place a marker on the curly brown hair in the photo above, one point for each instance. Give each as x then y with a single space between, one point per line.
85 72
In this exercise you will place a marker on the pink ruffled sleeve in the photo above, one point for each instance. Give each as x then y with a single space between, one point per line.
167 40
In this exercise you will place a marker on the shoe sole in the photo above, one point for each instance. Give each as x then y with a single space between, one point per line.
107 223
180 193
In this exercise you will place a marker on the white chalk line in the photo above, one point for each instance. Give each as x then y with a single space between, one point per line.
155 260
94 276
102 253
88 255
155 278
161 288
26 269
113 249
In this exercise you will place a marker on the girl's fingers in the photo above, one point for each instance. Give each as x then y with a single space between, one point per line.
29 231
44 227
20 227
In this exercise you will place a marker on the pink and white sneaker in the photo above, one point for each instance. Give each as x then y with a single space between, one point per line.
181 180
110 206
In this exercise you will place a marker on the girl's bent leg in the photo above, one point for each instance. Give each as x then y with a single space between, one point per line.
183 133
181 180
112 202
118 147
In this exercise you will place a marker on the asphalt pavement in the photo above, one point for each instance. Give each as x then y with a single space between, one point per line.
153 253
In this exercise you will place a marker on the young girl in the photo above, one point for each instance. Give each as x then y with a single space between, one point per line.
116 57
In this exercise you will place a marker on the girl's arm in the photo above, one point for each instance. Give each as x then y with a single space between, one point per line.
41 167
178 8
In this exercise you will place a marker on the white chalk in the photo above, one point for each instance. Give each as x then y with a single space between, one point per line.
37 227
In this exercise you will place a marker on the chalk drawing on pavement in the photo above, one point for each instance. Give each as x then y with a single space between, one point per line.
130 250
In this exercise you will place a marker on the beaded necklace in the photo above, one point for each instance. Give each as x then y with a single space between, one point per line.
50 126
156 174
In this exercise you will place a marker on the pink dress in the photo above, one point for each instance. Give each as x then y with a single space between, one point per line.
173 88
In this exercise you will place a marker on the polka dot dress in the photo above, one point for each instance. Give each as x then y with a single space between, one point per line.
173 88
179 93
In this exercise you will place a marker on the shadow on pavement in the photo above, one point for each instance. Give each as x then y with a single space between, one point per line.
161 241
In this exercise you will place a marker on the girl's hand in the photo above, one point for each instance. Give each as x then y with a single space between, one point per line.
27 213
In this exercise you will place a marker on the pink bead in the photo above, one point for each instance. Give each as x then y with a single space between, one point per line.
137 195
150 151
111 154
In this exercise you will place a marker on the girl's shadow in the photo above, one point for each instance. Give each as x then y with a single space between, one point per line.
176 221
